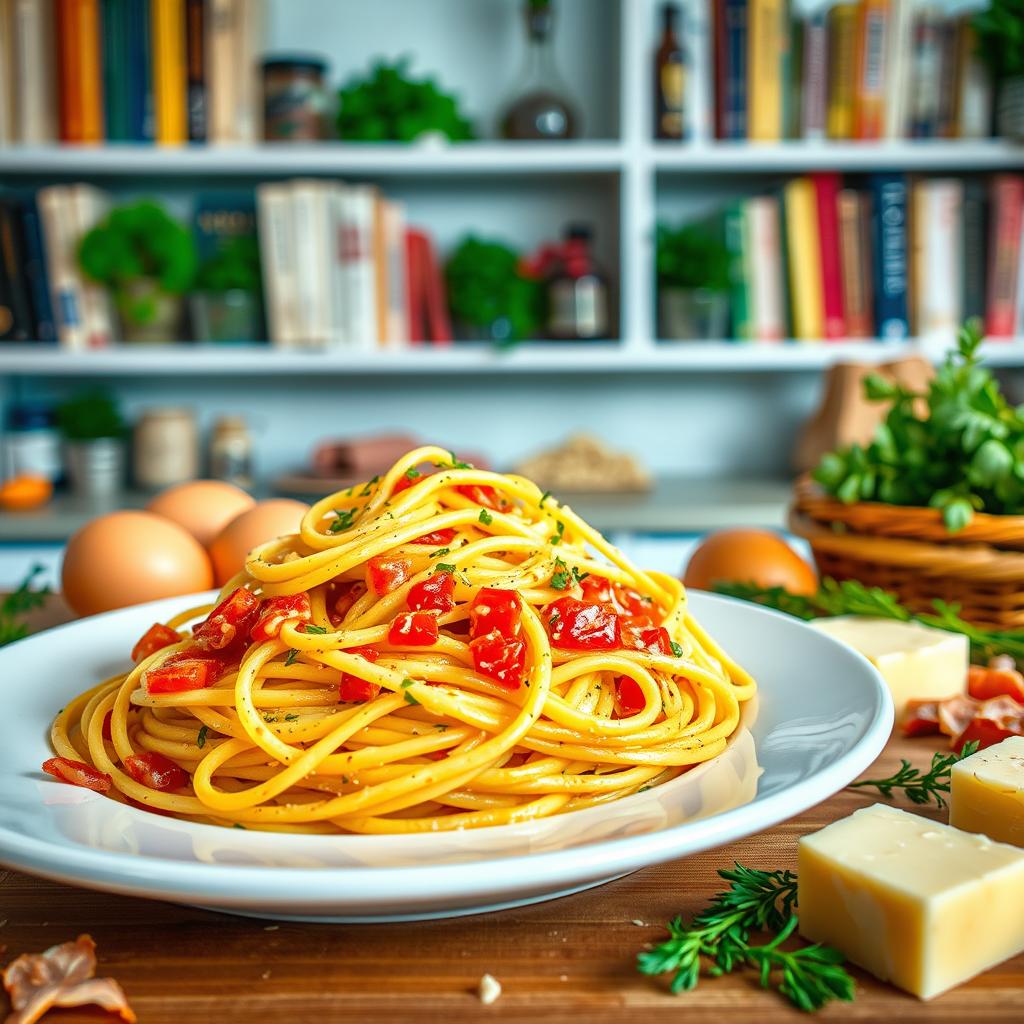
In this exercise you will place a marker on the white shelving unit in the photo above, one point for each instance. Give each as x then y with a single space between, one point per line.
617 178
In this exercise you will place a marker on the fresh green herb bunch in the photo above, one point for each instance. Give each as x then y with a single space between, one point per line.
691 256
756 901
487 290
18 603
1000 31
965 455
388 106
90 416
921 788
137 241
235 266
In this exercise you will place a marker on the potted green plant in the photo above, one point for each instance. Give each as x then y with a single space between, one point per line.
489 295
389 106
693 282
94 434
1000 32
225 305
148 261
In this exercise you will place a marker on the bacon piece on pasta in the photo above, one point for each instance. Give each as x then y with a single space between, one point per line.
62 976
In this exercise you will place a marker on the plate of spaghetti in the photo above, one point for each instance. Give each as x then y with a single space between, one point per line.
444 693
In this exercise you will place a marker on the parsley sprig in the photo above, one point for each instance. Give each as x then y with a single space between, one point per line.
561 577
18 603
755 901
918 787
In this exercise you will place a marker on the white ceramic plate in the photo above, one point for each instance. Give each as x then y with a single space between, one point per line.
822 715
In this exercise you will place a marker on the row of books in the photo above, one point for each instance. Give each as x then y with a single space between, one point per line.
885 257
169 71
874 69
342 268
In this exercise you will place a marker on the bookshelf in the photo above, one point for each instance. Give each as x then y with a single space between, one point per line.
616 177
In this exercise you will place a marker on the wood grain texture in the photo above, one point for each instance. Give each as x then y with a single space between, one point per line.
569 960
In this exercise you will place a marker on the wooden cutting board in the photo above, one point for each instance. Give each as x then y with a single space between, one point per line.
570 960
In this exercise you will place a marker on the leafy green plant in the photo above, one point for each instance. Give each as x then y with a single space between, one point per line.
691 256
139 242
921 788
90 416
389 106
1000 31
18 603
235 266
965 455
486 288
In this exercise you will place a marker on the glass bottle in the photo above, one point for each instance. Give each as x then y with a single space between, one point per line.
542 109
231 451
577 291
669 78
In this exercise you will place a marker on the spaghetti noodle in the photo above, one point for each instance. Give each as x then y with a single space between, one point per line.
440 648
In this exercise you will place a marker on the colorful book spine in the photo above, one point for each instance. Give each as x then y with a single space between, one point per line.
826 191
167 21
18 325
937 213
899 46
854 228
116 85
277 258
767 46
872 28
804 273
309 213
842 76
35 271
89 205
761 214
79 64
734 103
141 114
974 232
946 111
61 235
974 86
739 272
195 56
889 242
1007 218
926 83
814 96
34 92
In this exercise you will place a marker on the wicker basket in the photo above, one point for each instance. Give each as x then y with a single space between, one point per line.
909 552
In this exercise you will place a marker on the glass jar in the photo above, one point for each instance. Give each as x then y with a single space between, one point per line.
166 448
577 291
294 99
231 451
31 442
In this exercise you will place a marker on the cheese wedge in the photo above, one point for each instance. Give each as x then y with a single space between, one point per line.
917 662
917 903
987 792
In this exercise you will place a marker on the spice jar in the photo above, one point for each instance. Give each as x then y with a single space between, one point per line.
577 291
294 99
166 448
32 443
231 451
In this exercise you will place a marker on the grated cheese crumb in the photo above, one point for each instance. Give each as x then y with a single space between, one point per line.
489 989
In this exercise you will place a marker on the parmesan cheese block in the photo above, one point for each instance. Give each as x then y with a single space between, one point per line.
917 662
917 903
987 792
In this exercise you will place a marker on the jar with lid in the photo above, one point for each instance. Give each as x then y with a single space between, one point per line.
577 290
294 98
166 448
231 451
31 442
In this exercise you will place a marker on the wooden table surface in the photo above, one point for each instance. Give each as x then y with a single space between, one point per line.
571 959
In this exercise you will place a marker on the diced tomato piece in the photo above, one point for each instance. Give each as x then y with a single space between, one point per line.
155 771
232 618
500 658
434 594
597 589
495 609
78 773
347 595
985 683
156 638
386 573
405 481
579 626
186 671
351 687
630 696
922 718
650 638
437 538
985 732
276 611
483 494
630 601
413 629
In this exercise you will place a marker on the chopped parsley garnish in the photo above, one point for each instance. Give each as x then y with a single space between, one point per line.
560 578
366 491
554 618
267 717
409 698
238 824
556 537
454 464
310 628
291 718
485 517
439 552
292 657
342 520
444 567
676 649
201 738
544 497
411 474
406 683
578 576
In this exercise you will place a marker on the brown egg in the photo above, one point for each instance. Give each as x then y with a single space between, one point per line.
127 558
264 521
760 557
202 507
